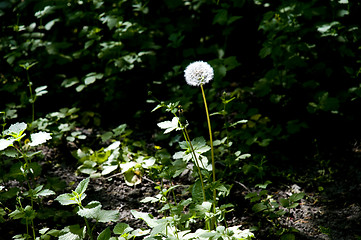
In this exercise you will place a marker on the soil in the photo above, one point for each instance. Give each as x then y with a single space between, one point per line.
331 211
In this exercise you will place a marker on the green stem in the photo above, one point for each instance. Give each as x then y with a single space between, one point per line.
33 227
89 230
196 162
188 140
212 154
31 97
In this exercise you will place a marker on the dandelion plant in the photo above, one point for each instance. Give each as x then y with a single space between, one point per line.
197 74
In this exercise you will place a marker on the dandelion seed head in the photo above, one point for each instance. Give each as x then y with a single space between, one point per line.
198 73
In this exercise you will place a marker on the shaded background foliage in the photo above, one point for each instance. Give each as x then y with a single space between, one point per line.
292 66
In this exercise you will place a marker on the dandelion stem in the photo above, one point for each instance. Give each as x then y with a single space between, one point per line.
212 153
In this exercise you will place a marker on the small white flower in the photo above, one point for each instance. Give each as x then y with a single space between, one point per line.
198 73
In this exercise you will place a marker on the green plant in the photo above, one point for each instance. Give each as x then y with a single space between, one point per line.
11 146
165 228
186 211
274 210
93 210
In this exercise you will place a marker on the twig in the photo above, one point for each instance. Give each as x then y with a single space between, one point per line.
242 185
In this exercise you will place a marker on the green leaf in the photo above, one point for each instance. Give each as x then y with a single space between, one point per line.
264 185
39 138
90 211
161 227
293 205
288 236
45 192
149 199
4 143
259 207
284 202
105 235
197 193
73 232
39 91
146 217
296 197
122 228
203 208
81 188
70 82
92 77
16 129
105 216
93 210
68 199
131 178
170 125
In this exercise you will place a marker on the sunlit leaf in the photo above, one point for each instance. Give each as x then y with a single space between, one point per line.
81 188
4 143
170 125
16 129
39 138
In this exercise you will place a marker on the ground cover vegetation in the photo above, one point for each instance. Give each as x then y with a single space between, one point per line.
102 138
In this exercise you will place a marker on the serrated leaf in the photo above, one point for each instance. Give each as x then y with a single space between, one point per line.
4 143
45 192
67 199
105 216
16 129
81 188
199 142
93 210
39 138
170 125
90 211
197 192
146 217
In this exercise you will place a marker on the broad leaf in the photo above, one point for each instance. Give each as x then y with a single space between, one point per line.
146 217
296 197
4 143
105 235
122 228
39 138
16 129
93 210
73 232
259 207
68 199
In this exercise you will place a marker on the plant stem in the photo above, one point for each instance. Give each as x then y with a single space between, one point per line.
212 154
89 230
196 162
31 96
